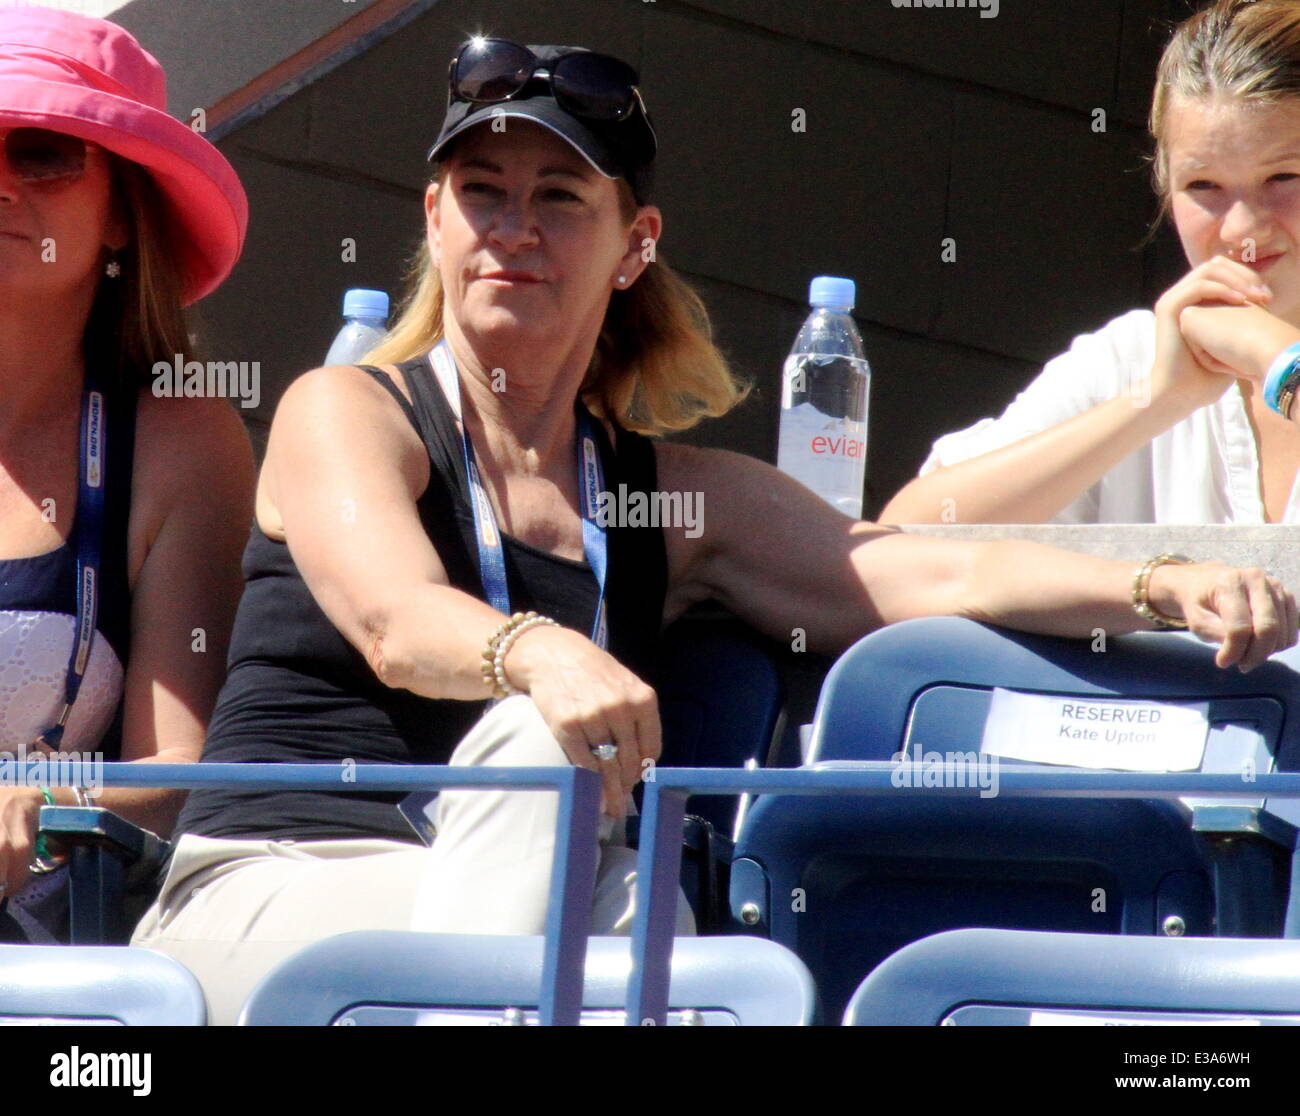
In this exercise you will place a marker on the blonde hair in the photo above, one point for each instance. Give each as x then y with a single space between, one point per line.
655 368
1248 49
137 319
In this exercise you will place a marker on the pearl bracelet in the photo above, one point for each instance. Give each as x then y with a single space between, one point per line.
494 655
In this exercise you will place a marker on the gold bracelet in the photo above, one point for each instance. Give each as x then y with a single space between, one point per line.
1142 590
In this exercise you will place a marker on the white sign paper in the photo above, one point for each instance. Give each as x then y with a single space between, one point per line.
1064 1019
1102 734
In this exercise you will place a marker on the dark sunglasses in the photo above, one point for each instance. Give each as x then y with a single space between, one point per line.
595 86
39 157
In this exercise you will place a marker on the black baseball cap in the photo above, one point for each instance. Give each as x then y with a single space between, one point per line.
617 149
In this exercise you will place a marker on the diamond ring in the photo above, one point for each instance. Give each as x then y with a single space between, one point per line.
605 752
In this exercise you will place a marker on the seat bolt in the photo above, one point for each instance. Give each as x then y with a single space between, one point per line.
691 1018
1174 927
749 914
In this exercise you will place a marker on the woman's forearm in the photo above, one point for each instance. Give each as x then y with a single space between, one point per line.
431 643
151 808
1036 588
1033 479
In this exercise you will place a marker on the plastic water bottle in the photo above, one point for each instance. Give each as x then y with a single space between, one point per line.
365 318
824 396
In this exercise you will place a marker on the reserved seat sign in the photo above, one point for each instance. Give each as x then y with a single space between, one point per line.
1104 734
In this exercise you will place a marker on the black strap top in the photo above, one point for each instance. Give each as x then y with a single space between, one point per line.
299 692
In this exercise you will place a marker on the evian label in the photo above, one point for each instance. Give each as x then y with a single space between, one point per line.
842 444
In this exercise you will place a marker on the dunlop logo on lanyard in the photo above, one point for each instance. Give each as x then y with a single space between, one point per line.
590 477
487 528
86 628
95 441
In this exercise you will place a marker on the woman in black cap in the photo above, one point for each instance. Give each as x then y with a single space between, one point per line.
468 522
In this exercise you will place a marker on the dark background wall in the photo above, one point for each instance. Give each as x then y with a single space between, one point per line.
921 124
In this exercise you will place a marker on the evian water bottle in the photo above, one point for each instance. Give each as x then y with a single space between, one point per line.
824 400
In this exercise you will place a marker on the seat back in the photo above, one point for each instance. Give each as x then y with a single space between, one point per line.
413 979
720 702
845 884
97 986
927 684
1015 978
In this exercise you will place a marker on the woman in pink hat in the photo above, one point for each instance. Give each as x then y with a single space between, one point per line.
121 514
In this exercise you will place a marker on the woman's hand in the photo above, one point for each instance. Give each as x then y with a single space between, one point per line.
1176 372
1249 613
588 698
20 809
1239 341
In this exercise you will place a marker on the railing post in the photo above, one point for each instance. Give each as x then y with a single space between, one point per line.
663 812
573 886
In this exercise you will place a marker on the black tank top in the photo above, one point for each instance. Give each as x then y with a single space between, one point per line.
298 692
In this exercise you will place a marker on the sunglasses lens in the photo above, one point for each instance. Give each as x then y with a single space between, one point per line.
595 85
38 156
491 70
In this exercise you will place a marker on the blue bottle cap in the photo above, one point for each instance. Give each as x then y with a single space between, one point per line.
360 303
832 292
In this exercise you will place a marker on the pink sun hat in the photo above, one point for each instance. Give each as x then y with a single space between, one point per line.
90 78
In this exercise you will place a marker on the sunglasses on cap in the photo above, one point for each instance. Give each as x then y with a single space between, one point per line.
594 86
39 157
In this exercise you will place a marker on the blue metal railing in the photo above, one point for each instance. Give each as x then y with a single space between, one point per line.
663 811
573 875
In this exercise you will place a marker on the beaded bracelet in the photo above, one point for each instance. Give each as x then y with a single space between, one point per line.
1142 590
494 654
42 863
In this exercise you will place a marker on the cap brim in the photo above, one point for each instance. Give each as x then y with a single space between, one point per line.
205 199
550 116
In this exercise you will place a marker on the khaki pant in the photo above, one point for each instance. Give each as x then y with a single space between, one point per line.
230 910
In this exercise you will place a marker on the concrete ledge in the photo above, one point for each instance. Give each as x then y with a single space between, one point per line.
1275 548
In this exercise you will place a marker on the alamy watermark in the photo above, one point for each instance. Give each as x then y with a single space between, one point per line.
213 379
23 768
651 509
946 769
988 9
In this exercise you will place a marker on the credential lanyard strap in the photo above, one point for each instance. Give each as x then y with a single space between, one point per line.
591 482
88 530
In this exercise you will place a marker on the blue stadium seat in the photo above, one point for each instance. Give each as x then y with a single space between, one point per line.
845 883
408 979
720 702
97 986
1008 978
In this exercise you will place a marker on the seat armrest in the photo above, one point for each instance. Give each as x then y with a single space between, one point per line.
1244 821
73 826
1250 852
113 868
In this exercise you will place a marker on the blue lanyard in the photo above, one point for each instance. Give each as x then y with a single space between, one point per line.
591 482
88 529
